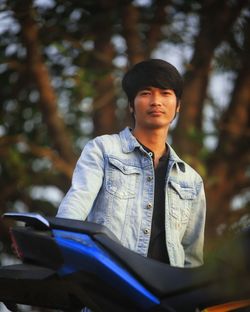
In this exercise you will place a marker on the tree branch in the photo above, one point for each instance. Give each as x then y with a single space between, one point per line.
228 165
104 103
154 35
216 21
42 152
130 24
40 75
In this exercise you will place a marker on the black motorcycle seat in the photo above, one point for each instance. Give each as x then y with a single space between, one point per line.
158 277
154 274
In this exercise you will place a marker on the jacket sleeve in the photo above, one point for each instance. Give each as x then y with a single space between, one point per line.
86 183
193 239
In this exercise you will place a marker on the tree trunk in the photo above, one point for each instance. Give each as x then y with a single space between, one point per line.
40 76
227 167
216 21
131 33
104 115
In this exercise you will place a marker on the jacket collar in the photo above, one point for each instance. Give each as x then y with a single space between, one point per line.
129 143
173 157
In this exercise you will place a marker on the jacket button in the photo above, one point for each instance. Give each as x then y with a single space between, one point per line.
146 231
149 178
149 206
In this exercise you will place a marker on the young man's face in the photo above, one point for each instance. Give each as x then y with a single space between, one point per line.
155 108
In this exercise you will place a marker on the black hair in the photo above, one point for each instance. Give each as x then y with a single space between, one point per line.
152 73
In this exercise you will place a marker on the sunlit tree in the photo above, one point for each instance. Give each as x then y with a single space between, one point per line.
61 66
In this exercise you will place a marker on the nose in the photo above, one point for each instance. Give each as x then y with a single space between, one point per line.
156 98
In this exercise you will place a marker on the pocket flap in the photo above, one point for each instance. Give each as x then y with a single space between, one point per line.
184 191
123 167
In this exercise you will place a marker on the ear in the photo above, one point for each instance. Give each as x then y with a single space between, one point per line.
178 105
131 109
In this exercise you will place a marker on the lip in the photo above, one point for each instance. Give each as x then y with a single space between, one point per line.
155 112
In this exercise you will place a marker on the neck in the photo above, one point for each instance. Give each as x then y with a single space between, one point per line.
154 139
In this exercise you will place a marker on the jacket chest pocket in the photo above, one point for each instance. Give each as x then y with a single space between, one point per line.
121 179
180 200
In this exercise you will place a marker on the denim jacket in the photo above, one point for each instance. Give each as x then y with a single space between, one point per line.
113 185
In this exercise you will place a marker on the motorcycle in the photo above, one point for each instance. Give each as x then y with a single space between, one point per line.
69 264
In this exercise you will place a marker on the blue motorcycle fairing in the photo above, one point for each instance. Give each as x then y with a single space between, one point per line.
82 253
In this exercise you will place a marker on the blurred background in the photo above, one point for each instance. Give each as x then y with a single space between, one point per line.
61 63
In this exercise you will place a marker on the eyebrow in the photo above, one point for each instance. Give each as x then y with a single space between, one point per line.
150 88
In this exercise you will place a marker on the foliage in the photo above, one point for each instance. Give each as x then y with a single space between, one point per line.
61 64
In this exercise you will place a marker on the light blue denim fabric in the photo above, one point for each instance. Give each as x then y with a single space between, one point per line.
113 185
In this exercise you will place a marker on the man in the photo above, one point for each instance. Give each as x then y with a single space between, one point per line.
135 184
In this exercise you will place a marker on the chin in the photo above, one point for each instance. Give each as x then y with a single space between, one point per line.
158 126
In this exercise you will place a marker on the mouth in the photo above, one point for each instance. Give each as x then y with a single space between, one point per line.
155 112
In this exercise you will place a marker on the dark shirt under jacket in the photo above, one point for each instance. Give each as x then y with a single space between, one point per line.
157 245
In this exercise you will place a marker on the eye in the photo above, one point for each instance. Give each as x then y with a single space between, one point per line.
167 92
144 92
